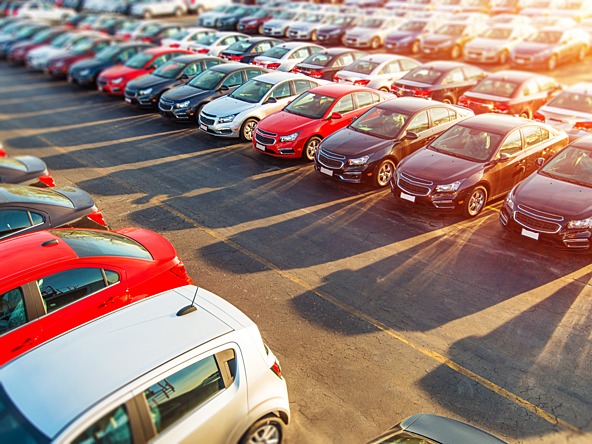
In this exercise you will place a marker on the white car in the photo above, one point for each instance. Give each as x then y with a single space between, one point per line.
237 114
377 71
38 57
41 10
164 369
286 56
215 43
494 43
371 32
186 37
157 8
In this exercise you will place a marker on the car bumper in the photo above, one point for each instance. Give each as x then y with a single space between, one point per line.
398 47
110 89
472 57
298 35
57 72
146 101
518 62
81 80
179 114
436 52
330 39
230 129
433 201
355 43
273 32
248 29
288 150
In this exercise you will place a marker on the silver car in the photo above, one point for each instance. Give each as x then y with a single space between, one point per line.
278 27
371 32
308 27
494 44
214 44
156 8
237 114
377 71
285 56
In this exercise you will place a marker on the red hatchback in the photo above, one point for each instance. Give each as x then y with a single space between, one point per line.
113 80
298 129
53 281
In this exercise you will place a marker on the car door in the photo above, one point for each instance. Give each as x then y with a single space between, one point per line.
418 124
508 165
538 143
346 108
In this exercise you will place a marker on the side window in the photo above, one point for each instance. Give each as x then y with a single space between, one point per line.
176 395
100 46
302 85
234 79
125 55
281 91
419 123
114 428
473 73
532 136
12 310
60 289
12 221
159 61
547 85
302 53
407 65
440 116
531 87
253 73
344 60
345 105
262 47
210 63
512 144
454 76
391 68
192 70
364 99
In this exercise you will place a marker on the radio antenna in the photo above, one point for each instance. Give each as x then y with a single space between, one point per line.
189 308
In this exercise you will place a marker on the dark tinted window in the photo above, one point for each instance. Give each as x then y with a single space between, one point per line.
234 79
345 105
95 243
365 99
281 91
24 194
63 288
12 221
113 428
253 73
419 123
12 310
302 85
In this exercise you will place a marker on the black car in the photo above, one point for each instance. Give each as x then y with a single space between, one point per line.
334 33
371 147
85 72
146 90
325 64
246 50
184 102
228 21
24 209
406 38
25 170
442 80
158 31
449 39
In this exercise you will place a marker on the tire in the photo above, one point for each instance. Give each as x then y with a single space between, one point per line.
178 12
475 202
313 36
503 57
265 431
582 53
455 52
384 89
552 63
374 43
310 148
147 14
449 99
383 173
526 114
247 129
415 47
260 29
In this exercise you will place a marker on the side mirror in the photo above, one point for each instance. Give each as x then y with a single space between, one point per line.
184 77
504 157
540 161
410 136
335 116
270 100
223 88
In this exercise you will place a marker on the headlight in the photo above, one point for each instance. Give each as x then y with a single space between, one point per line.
182 104
580 224
227 119
449 188
117 80
359 161
84 72
509 201
290 138
59 64
144 92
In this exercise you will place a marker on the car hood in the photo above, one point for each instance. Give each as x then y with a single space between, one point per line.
149 81
303 26
287 123
120 71
527 48
81 199
91 64
352 143
185 92
228 105
437 39
33 164
360 32
438 167
277 23
482 43
402 35
555 196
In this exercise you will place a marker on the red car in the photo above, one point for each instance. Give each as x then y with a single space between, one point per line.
113 80
298 129
63 278
59 66
18 53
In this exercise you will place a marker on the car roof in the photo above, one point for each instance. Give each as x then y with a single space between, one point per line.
583 142
274 77
230 67
443 65
582 88
337 51
87 364
447 430
188 58
515 75
381 58
339 89
159 50
497 123
292 45
410 104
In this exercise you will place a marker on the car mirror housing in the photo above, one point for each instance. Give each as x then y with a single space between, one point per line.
540 161
410 136
335 116
270 100
223 88
184 77
503 157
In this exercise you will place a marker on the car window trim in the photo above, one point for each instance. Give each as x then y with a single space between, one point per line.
14 233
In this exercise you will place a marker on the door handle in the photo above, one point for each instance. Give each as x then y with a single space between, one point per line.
18 347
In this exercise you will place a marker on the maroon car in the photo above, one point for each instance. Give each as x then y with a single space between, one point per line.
86 49
518 93
554 205
18 53
477 160
253 23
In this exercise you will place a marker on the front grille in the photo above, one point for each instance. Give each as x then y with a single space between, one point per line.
130 94
537 220
206 120
541 214
331 160
165 105
102 82
414 185
264 140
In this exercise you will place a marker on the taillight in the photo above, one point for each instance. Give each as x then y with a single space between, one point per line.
97 217
2 152
180 271
316 74
47 180
463 101
500 108
423 93
336 78
174 45
584 126
273 65
146 40
361 82
201 50
276 368
236 58
295 70
538 117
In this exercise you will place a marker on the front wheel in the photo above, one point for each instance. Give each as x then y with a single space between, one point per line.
552 63
147 14
313 36
374 43
455 52
247 130
415 47
265 431
383 173
475 202
310 148
582 53
503 57
178 12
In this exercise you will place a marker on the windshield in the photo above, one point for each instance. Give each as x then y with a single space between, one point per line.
319 59
61 40
27 32
82 47
240 46
15 427
496 33
138 61
413 26
170 69
208 39
451 29
545 37
423 75
129 26
313 18
343 20
371 22
207 80
108 53
260 13
495 87
468 143
311 105
573 101
380 122
151 29
277 52
571 164
180 35
362 67
39 38
286 15
252 91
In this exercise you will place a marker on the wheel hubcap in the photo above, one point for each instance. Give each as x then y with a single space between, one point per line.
385 174
249 127
312 149
267 434
476 202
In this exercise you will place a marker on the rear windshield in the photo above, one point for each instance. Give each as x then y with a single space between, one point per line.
277 52
423 75
495 87
362 67
573 101
240 46
12 164
15 427
102 243
321 59
32 195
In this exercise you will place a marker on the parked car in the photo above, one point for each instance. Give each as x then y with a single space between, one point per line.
185 37
214 44
184 102
553 206
377 71
325 64
443 81
297 130
42 10
156 33
570 111
436 429
237 114
85 72
308 26
219 380
518 93
475 161
145 91
285 56
334 32
38 58
228 20
406 38
77 276
25 170
24 209
210 18
25 33
278 26
371 147
500 7
458 6
549 47
58 66
370 32
449 40
253 23
132 31
494 44
246 50
19 51
158 8
113 80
